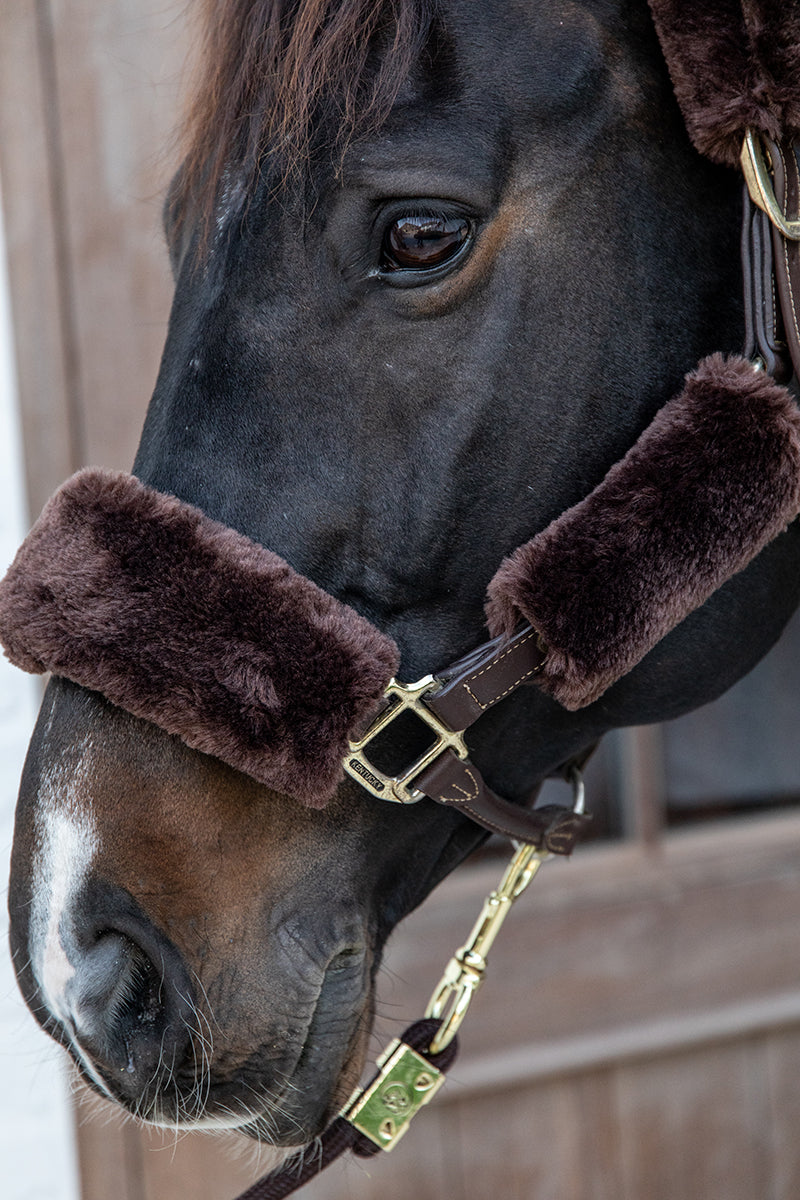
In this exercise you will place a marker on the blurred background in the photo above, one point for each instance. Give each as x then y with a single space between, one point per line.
639 1034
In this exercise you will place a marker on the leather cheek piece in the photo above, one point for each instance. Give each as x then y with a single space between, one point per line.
709 483
191 625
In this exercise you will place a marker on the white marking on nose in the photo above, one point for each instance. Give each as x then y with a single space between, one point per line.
67 842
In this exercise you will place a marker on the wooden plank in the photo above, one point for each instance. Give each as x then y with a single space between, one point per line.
598 1136
522 1064
783 1073
694 1126
116 67
522 1144
30 191
109 1149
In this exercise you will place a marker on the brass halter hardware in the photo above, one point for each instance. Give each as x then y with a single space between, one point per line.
406 1081
759 184
402 697
465 971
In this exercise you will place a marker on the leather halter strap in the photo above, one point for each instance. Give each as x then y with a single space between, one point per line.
451 702
785 161
770 258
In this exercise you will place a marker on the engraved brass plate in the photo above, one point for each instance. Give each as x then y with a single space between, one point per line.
406 1081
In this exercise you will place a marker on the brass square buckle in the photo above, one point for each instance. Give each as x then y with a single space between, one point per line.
402 697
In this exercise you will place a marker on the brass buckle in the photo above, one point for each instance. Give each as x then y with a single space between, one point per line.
402 697
761 188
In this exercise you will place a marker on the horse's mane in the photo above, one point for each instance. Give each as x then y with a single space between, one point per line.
268 69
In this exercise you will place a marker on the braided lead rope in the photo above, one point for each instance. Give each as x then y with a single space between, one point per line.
341 1135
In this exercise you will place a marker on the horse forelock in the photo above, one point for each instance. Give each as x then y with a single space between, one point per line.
264 69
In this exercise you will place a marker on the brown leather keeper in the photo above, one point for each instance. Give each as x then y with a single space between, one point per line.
457 783
481 679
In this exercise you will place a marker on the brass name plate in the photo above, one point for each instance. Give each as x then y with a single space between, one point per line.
406 1081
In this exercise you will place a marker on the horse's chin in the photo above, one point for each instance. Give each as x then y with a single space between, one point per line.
311 1097
285 1106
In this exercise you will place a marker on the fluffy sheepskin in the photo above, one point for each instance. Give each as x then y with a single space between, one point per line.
187 623
713 479
734 64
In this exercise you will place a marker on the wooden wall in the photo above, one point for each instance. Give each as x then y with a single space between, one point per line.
637 1038
88 102
639 1035
88 105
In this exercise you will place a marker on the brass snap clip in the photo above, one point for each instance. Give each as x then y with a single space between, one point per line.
465 971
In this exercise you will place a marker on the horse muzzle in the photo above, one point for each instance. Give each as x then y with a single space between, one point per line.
119 996
107 983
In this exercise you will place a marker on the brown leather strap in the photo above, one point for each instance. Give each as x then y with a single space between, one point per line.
764 333
786 172
481 679
471 686
456 782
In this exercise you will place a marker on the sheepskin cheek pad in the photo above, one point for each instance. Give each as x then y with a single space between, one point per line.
191 625
713 479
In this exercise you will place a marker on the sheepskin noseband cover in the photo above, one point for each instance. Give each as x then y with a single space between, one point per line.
187 623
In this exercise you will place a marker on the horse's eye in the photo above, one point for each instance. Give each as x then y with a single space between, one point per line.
419 243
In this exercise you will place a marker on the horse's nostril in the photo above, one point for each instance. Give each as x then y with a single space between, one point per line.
136 998
117 991
128 1007
96 980
114 999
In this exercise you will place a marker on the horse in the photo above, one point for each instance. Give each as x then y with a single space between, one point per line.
437 267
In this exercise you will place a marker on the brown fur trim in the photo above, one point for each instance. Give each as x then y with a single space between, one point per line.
734 64
713 479
191 625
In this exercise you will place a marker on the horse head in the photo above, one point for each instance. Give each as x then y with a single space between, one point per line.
395 354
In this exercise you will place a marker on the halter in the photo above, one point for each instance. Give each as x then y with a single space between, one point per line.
109 572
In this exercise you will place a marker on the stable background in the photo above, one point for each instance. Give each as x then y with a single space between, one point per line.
639 1035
